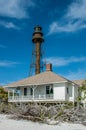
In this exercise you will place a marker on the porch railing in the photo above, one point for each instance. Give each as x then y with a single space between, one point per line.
30 97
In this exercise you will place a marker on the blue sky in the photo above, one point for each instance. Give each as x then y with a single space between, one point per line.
64 28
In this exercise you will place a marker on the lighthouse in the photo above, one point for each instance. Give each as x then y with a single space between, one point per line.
37 40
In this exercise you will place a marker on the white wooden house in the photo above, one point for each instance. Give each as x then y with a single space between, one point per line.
46 86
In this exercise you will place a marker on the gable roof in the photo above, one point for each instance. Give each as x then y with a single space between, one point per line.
39 79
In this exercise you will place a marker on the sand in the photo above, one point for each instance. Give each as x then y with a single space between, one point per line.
10 124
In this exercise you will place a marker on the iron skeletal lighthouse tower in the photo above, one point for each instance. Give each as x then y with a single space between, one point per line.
37 40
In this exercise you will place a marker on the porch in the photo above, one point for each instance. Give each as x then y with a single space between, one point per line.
31 98
31 93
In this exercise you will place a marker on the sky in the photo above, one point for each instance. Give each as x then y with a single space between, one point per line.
63 24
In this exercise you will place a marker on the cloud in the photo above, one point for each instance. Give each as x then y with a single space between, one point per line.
77 10
74 19
8 25
55 27
8 63
80 74
62 61
15 8
2 46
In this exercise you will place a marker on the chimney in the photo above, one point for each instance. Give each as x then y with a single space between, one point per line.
49 67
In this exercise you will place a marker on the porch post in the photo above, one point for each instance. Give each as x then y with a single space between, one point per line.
33 93
13 94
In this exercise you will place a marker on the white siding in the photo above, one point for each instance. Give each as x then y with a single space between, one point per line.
69 94
73 92
59 91
40 90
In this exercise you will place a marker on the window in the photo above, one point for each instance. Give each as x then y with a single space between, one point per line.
18 91
67 91
31 91
49 90
25 91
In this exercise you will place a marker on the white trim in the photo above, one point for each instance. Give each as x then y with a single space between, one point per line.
35 84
